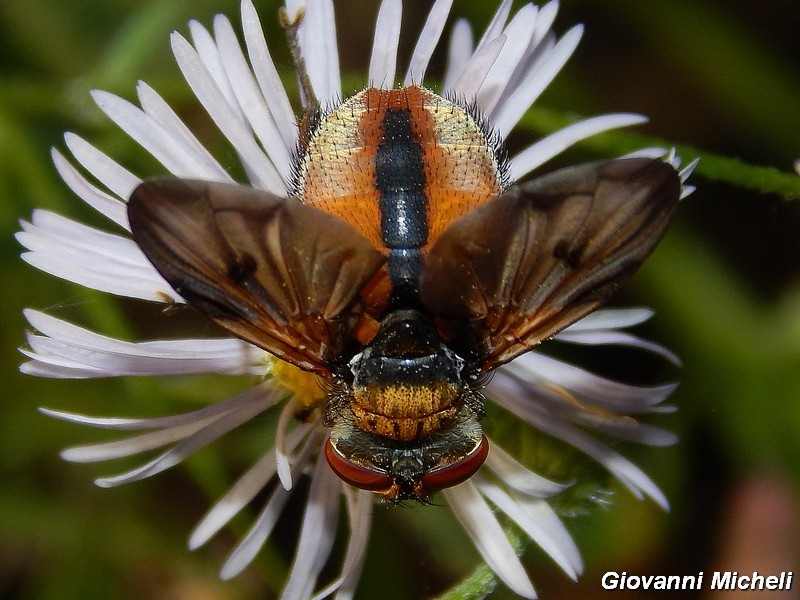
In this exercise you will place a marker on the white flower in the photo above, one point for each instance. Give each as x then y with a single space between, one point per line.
239 86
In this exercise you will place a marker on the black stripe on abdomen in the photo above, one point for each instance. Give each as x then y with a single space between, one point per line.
400 180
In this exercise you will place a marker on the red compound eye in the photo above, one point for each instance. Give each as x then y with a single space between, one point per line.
356 475
457 472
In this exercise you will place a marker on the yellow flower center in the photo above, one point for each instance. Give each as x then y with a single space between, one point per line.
307 388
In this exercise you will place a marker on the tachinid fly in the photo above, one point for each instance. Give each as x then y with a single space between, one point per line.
402 268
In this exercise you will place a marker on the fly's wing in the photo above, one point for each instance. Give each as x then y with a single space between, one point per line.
270 270
530 262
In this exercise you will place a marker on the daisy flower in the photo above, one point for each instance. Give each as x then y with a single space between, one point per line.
500 76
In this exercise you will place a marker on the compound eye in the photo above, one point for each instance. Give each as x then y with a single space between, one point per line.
356 475
459 471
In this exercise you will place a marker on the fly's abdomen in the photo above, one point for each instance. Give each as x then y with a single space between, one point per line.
399 166
400 181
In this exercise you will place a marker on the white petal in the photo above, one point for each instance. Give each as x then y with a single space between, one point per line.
263 393
52 370
62 341
49 226
583 410
547 15
458 53
208 53
105 204
427 41
526 91
534 369
190 445
504 393
249 97
650 152
263 173
138 360
282 437
540 523
150 135
516 476
555 143
137 444
41 358
259 532
116 423
189 348
267 76
90 257
496 25
316 534
612 318
97 275
686 171
318 41
107 171
359 510
469 82
383 61
625 429
480 523
157 108
519 33
240 494
595 338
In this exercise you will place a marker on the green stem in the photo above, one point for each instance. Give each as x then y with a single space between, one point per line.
765 180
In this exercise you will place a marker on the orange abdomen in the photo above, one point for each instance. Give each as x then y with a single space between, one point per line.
341 170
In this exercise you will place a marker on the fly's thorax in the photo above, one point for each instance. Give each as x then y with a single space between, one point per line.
406 384
404 412
404 416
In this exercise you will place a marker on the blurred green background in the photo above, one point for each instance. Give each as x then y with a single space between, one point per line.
720 76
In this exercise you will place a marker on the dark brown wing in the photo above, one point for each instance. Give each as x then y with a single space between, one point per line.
530 262
270 270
